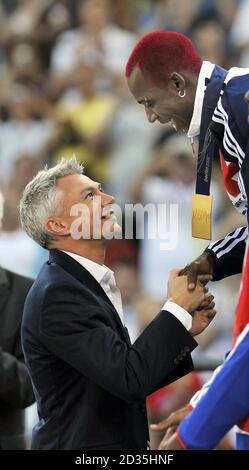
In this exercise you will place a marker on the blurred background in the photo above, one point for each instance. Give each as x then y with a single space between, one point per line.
62 91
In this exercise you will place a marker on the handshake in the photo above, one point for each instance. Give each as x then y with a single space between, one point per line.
186 288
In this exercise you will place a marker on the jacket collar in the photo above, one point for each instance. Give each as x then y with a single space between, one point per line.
76 270
205 75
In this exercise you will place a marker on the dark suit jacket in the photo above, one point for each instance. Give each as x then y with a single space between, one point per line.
90 382
15 386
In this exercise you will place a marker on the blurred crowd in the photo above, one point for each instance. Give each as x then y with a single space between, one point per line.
63 92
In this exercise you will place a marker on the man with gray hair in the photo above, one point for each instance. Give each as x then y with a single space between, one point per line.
15 386
90 382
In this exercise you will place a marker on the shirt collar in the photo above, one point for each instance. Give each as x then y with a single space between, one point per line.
195 124
98 271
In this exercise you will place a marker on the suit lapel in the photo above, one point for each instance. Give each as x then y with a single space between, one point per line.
80 273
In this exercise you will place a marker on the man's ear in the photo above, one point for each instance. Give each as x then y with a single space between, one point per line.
57 227
178 82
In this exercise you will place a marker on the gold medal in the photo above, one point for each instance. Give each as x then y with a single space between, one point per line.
202 216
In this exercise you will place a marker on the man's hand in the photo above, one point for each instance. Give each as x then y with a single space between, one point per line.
179 293
171 444
203 316
170 425
202 269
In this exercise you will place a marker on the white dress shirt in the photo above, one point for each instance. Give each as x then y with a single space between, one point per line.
195 124
105 277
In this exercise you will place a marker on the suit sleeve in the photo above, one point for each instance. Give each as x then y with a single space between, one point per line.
225 403
228 253
15 383
77 332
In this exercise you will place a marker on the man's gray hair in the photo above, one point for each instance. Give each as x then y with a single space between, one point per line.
42 199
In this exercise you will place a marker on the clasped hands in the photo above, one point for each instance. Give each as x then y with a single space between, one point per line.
187 288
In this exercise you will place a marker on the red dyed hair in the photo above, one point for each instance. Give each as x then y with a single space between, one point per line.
160 53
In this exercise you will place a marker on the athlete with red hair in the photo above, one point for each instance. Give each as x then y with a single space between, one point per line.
163 69
176 86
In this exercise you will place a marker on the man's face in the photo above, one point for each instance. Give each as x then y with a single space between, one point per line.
86 208
161 104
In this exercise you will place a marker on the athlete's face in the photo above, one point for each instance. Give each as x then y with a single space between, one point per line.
163 103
